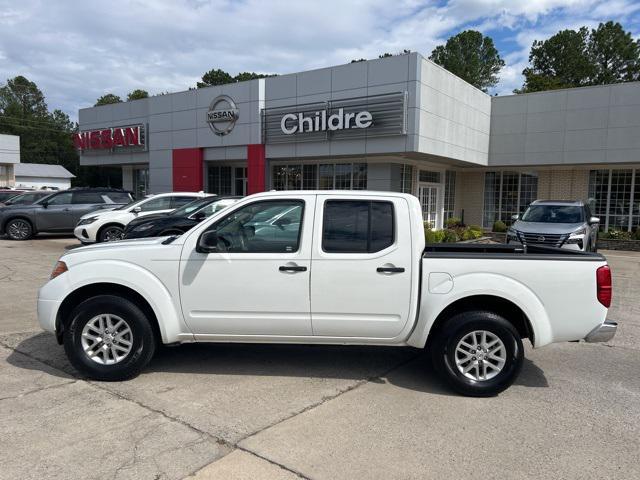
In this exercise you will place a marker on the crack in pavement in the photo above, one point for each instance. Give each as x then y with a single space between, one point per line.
30 392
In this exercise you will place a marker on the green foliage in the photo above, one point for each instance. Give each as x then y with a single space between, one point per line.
472 57
453 222
636 234
471 234
499 226
220 77
137 94
576 58
433 236
108 99
614 234
450 236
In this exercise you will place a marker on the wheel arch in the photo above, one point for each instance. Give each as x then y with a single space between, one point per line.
491 303
20 216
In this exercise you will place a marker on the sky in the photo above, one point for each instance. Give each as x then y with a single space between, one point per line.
76 51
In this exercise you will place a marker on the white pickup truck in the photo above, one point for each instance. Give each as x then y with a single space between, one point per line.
324 267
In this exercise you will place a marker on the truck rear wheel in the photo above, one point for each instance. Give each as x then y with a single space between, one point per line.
477 353
109 338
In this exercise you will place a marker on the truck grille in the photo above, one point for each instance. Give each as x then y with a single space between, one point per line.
548 239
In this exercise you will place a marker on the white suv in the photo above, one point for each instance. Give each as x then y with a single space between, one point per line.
108 225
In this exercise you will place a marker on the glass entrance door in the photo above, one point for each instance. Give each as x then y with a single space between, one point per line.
428 196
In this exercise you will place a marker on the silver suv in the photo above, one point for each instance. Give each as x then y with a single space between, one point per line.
556 223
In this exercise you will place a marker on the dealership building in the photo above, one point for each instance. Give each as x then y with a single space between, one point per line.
399 124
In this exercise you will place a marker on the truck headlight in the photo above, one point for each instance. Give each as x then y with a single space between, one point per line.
59 269
511 232
87 221
143 227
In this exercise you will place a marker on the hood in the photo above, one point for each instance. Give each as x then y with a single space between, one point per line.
539 227
119 245
146 218
101 212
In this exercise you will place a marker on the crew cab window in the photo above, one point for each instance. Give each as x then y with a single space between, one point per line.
87 197
177 202
158 203
357 226
262 227
60 199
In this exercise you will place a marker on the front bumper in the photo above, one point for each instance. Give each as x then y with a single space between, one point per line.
84 234
602 333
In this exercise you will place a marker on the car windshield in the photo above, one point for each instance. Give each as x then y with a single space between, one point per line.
44 198
553 214
132 204
216 206
190 207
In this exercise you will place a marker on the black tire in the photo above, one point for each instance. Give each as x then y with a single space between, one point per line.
142 338
111 233
19 229
443 355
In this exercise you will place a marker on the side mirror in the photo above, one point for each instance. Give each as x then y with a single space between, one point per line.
199 216
208 242
594 220
44 204
282 222
515 217
137 210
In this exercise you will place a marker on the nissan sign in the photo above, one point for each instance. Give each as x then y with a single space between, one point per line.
111 138
222 115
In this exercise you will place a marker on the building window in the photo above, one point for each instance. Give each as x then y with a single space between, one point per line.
219 180
507 194
241 181
406 179
612 198
140 182
328 176
449 194
428 176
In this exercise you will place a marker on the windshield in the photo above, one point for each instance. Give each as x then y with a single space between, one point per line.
44 198
190 207
553 214
132 204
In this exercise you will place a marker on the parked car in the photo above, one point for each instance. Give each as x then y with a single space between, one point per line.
26 198
356 273
178 221
9 194
556 223
57 212
109 225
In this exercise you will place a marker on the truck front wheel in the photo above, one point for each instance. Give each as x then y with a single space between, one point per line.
108 338
477 353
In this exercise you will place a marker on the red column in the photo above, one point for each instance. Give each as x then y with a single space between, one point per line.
188 170
255 168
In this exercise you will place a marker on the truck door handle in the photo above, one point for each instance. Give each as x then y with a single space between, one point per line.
292 268
390 269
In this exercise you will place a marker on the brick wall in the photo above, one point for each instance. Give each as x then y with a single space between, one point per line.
469 196
563 184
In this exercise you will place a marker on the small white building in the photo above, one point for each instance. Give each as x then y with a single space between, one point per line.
41 175
9 156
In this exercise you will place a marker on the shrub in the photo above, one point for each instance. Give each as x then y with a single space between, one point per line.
636 234
499 226
450 236
618 234
470 234
453 222
433 236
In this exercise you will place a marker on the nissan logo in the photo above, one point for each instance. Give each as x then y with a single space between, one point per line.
222 115
541 239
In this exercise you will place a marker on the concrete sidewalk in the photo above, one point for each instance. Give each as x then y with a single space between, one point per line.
264 411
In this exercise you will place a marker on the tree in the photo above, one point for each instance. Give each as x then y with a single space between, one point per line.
137 94
614 54
21 97
577 58
108 99
472 57
561 61
215 77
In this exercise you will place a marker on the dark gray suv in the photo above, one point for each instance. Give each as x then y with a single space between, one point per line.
58 212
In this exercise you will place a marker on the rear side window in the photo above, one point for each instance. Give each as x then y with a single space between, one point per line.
357 226
87 197
177 202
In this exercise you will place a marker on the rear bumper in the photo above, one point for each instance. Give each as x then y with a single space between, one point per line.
602 333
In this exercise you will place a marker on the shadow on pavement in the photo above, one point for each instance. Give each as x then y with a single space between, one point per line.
305 361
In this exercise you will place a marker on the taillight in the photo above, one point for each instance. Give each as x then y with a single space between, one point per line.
603 281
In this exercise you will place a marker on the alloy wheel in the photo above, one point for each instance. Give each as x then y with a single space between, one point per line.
112 234
19 229
480 355
107 339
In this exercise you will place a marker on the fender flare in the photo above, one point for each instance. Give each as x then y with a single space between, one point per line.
485 284
165 307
